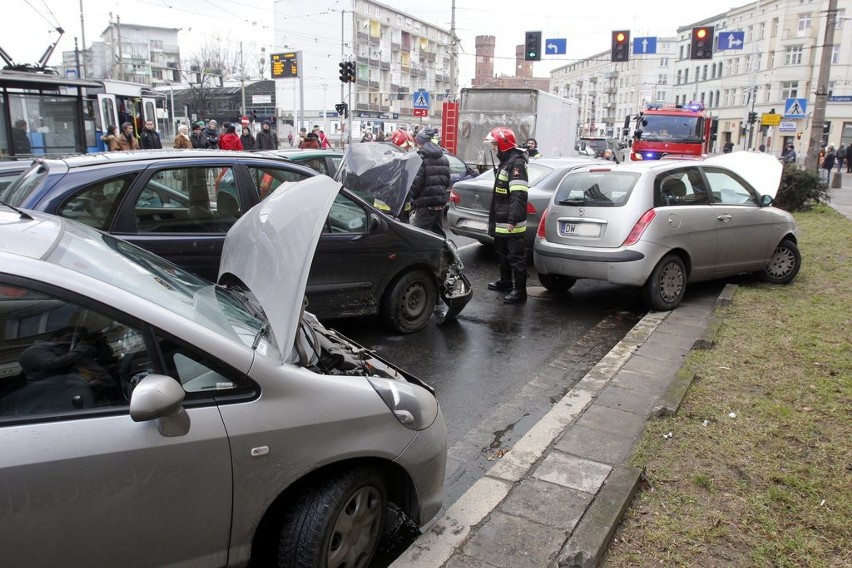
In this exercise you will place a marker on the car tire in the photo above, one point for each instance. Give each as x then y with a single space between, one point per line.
556 283
784 264
336 521
409 302
666 286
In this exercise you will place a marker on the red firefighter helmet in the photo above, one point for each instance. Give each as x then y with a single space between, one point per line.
401 138
503 137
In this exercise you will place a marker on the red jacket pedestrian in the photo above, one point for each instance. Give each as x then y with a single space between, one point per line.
229 140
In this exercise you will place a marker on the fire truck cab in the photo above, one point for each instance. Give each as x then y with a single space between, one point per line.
672 131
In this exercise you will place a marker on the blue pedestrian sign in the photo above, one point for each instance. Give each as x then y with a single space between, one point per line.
421 99
556 46
731 40
644 45
795 108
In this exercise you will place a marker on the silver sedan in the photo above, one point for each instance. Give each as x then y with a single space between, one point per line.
662 224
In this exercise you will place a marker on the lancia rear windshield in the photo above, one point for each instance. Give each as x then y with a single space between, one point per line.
596 189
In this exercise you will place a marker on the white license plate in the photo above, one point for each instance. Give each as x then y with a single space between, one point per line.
475 225
579 229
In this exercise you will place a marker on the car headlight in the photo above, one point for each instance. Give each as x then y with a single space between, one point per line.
413 406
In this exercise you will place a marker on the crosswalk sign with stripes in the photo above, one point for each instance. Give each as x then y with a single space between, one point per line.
795 108
421 99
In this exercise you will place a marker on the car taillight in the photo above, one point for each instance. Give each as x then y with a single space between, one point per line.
531 210
540 233
454 197
639 227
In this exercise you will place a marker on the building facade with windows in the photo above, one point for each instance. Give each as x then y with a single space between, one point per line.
777 65
610 92
395 55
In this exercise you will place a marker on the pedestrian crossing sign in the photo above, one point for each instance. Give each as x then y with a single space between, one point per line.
421 99
795 108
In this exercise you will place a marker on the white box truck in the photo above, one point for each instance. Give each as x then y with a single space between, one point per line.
530 113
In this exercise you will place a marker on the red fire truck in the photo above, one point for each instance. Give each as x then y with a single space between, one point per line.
674 131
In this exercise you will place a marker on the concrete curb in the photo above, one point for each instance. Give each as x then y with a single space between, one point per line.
588 542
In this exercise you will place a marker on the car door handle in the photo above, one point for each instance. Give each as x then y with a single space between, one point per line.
724 218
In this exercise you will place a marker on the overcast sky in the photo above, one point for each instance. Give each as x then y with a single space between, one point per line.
585 25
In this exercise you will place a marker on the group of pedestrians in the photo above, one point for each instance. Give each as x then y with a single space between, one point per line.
203 136
829 157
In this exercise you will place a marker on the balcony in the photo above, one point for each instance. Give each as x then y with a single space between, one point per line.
362 59
385 65
362 106
374 84
395 46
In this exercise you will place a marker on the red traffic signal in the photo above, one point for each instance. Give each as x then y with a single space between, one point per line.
701 45
620 46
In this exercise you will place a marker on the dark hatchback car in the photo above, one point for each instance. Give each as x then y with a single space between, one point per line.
180 204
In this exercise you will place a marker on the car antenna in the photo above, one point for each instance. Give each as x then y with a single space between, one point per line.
23 214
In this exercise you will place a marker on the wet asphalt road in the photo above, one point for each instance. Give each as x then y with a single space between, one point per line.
492 350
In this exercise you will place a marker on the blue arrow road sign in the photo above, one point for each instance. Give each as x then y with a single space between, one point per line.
556 46
421 99
644 45
795 108
731 40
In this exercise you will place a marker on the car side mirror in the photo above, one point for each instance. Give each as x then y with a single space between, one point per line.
376 224
159 397
766 200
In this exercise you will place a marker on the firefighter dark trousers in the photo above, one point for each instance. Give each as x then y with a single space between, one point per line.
513 260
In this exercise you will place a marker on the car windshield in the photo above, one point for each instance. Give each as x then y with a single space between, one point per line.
663 127
598 189
162 283
599 145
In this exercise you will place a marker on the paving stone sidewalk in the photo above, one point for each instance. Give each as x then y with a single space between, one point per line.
557 496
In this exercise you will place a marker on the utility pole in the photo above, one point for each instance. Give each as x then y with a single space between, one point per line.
454 54
822 89
83 37
242 81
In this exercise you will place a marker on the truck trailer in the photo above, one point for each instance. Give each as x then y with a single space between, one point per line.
530 113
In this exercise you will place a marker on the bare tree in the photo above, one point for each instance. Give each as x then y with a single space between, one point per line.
206 69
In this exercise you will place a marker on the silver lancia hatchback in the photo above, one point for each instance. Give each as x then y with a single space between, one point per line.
662 224
149 417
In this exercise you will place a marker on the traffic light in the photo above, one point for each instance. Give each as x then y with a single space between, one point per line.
347 71
341 109
752 117
533 47
620 45
702 43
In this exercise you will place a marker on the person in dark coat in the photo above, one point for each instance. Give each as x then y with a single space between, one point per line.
247 139
431 185
849 159
507 218
266 138
211 134
197 137
828 162
149 139
20 140
311 141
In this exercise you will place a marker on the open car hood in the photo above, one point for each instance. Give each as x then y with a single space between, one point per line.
271 247
382 170
762 171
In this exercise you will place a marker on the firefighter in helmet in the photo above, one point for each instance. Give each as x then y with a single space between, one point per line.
507 219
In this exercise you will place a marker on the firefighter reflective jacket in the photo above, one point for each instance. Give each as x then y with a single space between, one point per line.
509 199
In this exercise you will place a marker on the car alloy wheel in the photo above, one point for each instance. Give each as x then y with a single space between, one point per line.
666 286
784 264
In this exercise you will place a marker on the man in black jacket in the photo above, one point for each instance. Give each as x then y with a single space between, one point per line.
430 187
507 219
149 139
